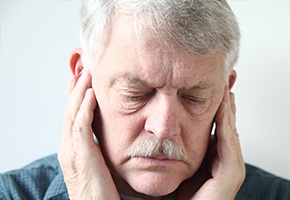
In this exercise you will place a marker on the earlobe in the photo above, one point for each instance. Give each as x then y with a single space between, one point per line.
232 79
76 64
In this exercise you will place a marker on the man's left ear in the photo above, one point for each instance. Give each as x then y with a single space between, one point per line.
232 79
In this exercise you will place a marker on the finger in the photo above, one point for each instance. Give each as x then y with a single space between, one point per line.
220 117
228 145
228 142
78 92
231 111
82 129
232 102
74 102
71 84
225 117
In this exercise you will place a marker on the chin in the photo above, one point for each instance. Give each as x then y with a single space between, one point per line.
155 184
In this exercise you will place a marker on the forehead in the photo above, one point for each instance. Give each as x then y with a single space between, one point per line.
157 62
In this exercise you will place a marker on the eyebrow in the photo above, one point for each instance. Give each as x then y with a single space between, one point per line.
200 88
127 79
134 81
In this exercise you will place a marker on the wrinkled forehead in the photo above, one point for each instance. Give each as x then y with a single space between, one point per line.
158 60
159 64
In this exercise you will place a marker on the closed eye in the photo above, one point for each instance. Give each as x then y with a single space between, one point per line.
194 100
134 101
136 96
194 105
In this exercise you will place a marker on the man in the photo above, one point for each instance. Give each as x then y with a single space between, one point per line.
151 83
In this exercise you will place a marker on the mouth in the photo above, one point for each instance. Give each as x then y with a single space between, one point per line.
157 160
159 156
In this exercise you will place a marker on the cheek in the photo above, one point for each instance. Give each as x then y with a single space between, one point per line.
196 140
118 132
196 136
198 143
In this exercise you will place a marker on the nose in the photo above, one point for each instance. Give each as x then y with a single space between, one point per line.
163 119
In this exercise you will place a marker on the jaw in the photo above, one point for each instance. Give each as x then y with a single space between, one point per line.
151 182
150 186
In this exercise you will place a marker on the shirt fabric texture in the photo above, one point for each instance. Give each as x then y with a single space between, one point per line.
43 179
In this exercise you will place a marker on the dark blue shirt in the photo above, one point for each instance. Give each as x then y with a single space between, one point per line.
43 179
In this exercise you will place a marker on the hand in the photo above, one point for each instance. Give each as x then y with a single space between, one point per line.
227 168
85 172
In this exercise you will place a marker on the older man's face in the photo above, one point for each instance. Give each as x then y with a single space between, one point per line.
168 94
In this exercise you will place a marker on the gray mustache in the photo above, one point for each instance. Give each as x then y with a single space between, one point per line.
152 146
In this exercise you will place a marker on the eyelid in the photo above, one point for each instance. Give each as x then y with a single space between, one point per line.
139 95
194 100
133 101
134 97
195 105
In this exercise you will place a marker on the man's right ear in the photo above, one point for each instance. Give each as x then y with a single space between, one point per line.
76 64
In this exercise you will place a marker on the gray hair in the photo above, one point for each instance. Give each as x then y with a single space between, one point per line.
198 26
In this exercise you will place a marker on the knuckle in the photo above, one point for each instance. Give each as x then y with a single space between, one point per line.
76 129
83 116
68 117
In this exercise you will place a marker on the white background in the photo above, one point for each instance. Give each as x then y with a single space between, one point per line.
37 37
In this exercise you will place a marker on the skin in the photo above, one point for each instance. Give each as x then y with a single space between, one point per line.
134 92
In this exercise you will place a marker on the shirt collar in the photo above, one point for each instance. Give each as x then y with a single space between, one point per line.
56 188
